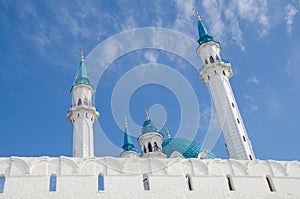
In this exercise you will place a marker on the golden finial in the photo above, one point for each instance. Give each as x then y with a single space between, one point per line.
196 12
168 132
81 54
147 114
125 121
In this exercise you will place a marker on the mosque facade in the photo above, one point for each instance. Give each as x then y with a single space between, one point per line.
166 167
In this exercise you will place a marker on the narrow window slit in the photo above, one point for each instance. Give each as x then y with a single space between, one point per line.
244 138
189 183
52 184
230 184
146 183
100 182
149 147
270 184
2 184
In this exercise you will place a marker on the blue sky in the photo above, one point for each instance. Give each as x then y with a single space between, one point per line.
39 49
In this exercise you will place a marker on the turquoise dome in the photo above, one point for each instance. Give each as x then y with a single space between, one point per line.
188 149
148 126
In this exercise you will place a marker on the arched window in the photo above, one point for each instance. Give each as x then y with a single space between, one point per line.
85 101
146 182
145 150
149 147
224 72
100 182
189 183
155 146
79 102
217 58
206 62
270 184
230 183
52 184
2 183
211 59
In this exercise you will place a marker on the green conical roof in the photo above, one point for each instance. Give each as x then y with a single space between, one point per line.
204 37
82 75
128 145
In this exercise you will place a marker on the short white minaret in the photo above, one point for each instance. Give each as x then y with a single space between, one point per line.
151 140
82 114
216 73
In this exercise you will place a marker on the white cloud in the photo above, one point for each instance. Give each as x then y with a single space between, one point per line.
151 56
290 12
248 97
234 12
214 10
254 80
184 16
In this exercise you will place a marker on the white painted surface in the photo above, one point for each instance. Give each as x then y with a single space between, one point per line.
151 138
28 178
216 74
82 115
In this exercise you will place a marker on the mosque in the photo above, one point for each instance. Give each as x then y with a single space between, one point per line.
167 167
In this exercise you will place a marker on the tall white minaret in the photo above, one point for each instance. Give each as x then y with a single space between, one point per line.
82 114
216 73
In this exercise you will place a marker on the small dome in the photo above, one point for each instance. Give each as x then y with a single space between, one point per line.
188 149
148 127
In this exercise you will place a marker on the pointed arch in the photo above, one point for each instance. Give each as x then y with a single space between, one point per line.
149 147
2 183
100 182
79 102
156 148
52 183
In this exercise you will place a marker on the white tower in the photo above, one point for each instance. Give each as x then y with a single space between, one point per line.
151 140
82 114
216 73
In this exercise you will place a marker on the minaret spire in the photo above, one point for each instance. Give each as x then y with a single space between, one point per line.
216 73
81 54
204 37
197 14
128 147
167 130
147 113
82 75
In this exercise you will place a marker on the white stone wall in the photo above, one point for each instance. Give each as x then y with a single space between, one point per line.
28 178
